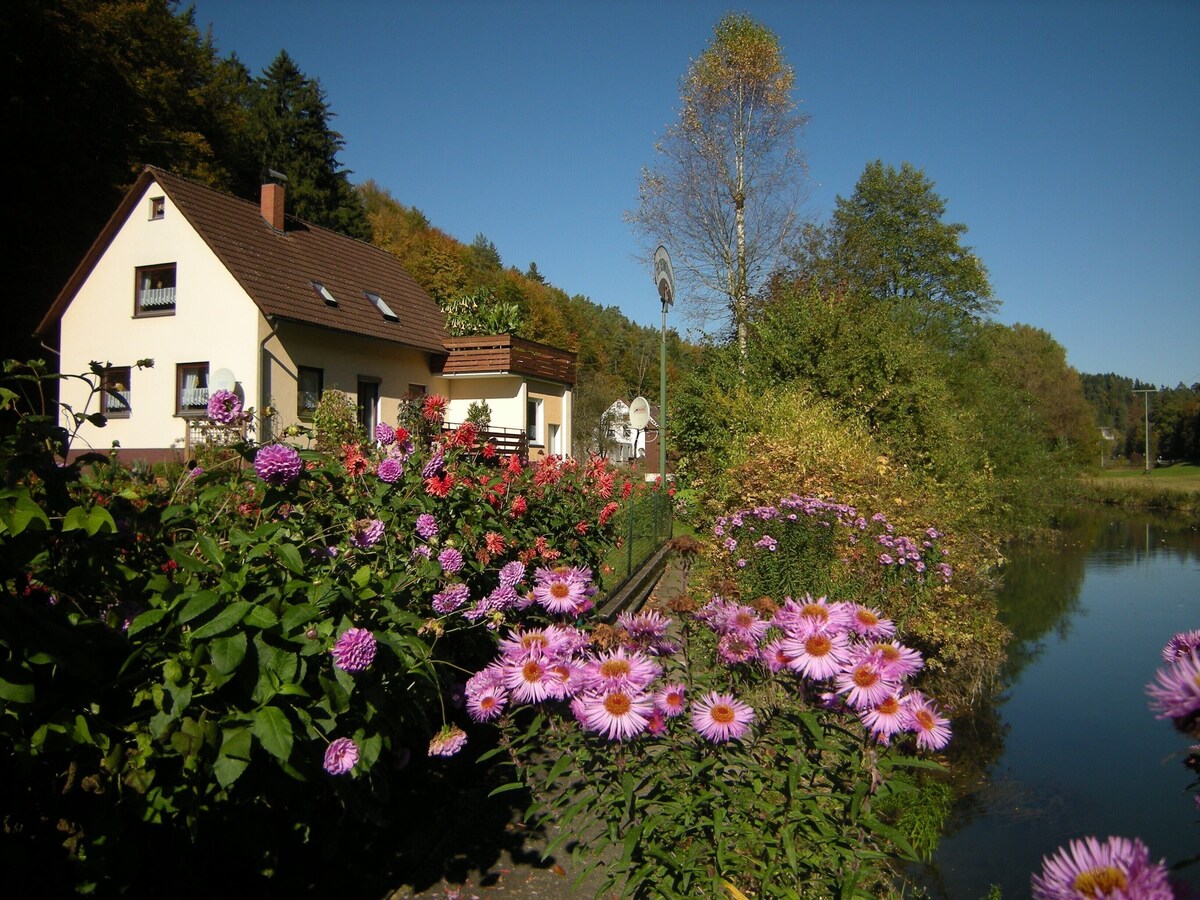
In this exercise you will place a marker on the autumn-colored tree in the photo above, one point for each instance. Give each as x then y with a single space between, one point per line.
725 196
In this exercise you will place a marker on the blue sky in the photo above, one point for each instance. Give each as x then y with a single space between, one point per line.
1065 135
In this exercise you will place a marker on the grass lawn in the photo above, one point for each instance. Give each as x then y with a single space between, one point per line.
1179 477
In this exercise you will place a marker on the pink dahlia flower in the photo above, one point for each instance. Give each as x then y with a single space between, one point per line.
341 756
390 470
277 464
385 434
720 717
367 533
354 651
1117 867
224 407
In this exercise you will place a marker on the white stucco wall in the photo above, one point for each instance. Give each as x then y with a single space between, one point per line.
214 322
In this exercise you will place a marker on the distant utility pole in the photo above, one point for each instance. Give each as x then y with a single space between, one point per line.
1146 400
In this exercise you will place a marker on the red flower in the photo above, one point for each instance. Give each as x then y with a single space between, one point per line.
466 434
401 434
514 464
494 541
353 459
607 512
582 527
519 506
489 450
434 408
439 486
626 490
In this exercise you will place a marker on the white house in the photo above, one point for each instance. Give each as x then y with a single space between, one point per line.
214 288
629 443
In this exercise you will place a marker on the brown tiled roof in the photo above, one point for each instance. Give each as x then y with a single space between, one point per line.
276 268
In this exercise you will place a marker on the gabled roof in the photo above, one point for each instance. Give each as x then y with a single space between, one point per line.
277 268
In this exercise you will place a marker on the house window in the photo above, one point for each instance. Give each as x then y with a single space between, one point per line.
155 291
553 439
416 390
158 207
115 395
323 292
381 305
533 420
309 384
191 389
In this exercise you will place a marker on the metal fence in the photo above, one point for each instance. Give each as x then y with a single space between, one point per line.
645 526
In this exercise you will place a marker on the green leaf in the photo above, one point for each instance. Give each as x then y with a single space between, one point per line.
505 788
228 652
13 692
297 615
210 549
201 602
273 731
75 519
22 513
233 757
145 620
99 518
260 617
290 557
224 620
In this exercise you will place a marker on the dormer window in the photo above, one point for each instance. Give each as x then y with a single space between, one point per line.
323 292
382 306
155 293
158 207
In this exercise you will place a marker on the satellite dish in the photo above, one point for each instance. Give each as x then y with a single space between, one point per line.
664 276
639 413
222 380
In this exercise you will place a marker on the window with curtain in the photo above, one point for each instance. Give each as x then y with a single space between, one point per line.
155 295
309 384
115 396
192 389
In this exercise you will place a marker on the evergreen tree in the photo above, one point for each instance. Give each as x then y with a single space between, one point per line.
296 139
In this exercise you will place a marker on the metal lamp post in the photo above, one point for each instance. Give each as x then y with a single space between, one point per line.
664 277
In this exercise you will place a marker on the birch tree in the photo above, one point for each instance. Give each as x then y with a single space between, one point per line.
725 195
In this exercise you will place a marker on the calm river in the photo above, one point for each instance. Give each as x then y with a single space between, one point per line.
1070 747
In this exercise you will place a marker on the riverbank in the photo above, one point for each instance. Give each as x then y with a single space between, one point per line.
1175 487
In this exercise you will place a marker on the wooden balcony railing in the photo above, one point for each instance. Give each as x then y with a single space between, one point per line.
478 355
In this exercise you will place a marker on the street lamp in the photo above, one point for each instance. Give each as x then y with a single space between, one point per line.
664 277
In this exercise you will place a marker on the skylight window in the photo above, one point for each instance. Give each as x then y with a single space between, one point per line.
323 293
381 305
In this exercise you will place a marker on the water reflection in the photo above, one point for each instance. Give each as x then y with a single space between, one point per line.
1067 746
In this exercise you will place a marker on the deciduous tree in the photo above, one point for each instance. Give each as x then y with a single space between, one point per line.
725 195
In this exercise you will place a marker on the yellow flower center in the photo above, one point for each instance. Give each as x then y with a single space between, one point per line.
1099 882
531 671
722 714
868 618
888 652
925 719
614 668
888 707
864 676
818 645
617 704
814 611
559 590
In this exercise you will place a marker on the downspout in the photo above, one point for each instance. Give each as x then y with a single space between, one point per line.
265 431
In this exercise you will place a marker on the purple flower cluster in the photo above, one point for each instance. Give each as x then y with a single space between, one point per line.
367 533
277 464
1175 692
224 407
842 651
451 598
427 526
390 469
385 434
354 651
451 559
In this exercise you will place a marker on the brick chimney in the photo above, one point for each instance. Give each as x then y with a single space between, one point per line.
271 204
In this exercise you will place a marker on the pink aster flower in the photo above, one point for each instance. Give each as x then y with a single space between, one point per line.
1118 867
869 623
341 756
555 590
736 647
720 717
617 714
864 685
670 701
774 656
529 681
819 655
1176 693
448 741
485 705
809 615
932 729
744 621
277 464
354 651
895 660
621 669
886 717
224 407
1181 645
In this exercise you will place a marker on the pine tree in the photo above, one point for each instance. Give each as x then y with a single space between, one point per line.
297 140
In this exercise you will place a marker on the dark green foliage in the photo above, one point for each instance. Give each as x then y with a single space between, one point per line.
292 124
